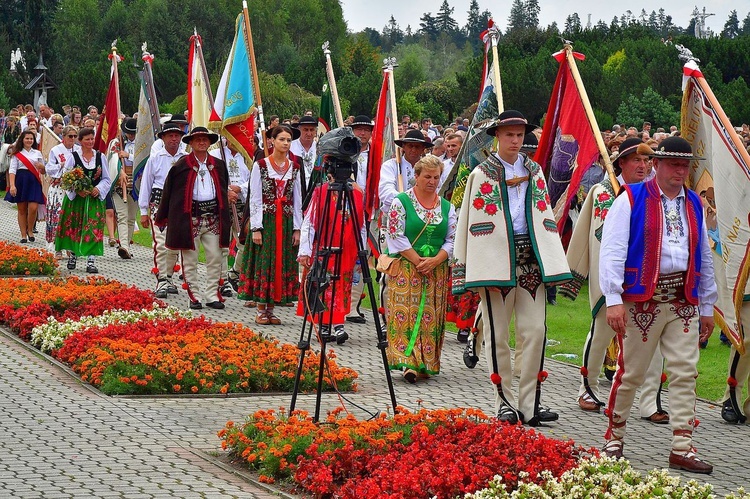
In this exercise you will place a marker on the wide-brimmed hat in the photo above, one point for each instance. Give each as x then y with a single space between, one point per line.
362 120
170 126
200 131
509 118
307 120
675 147
414 137
294 131
179 118
530 142
129 125
633 145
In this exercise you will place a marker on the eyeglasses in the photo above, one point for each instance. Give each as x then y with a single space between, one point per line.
71 136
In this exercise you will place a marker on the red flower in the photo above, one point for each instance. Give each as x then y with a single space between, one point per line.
663 377
479 203
541 205
485 188
603 197
540 183
491 209
597 212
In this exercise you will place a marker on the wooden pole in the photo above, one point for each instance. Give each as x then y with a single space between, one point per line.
494 34
591 118
254 71
390 63
703 84
332 84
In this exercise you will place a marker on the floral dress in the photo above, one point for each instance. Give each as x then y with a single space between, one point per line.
417 303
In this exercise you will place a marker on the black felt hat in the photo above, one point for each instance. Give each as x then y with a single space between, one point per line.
129 125
362 120
675 147
509 118
633 145
200 131
414 137
171 126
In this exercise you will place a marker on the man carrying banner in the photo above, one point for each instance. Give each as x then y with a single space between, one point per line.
239 180
583 258
506 219
126 206
656 273
152 183
305 148
195 207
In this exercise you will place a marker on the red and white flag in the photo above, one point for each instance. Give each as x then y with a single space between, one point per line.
382 147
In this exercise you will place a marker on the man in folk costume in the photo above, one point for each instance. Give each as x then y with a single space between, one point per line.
305 148
362 127
125 205
583 258
239 180
506 219
396 177
195 208
152 185
656 273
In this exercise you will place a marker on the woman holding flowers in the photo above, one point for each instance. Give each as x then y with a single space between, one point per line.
270 268
421 227
86 182
58 157
25 182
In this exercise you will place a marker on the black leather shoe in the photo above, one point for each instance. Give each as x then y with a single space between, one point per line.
341 334
196 305
727 412
226 290
544 415
91 268
469 358
507 415
72 261
357 319
463 335
216 305
233 278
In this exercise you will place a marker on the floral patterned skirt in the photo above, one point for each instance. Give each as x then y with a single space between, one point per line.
261 265
55 197
404 294
81 226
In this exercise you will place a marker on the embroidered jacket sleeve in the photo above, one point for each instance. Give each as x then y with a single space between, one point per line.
450 236
256 198
614 250
707 291
54 165
396 228
307 232
297 202
578 249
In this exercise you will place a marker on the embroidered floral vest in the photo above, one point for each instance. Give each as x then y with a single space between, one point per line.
432 238
644 246
95 174
269 193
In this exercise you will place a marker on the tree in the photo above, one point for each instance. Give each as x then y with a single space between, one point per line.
531 12
732 26
444 18
428 26
517 17
649 107
572 25
412 67
392 35
746 25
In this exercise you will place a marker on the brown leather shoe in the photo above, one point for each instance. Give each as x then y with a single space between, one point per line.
658 418
262 318
272 318
613 448
689 462
587 404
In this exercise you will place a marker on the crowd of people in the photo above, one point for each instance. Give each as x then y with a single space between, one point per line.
271 228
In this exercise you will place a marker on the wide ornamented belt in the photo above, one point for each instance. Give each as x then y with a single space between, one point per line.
155 196
524 250
669 287
205 208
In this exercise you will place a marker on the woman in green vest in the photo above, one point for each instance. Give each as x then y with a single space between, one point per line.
421 229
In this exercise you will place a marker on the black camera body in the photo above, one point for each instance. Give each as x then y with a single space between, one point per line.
340 150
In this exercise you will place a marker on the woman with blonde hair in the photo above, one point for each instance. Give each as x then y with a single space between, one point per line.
421 228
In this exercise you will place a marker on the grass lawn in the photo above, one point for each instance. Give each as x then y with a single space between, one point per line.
143 237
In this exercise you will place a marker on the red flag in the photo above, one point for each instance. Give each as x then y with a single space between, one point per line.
568 147
109 124
382 147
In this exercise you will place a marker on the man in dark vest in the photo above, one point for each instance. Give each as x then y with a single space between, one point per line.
195 207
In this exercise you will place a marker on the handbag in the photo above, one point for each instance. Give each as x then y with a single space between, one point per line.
388 265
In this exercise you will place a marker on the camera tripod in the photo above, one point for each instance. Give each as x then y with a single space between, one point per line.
326 271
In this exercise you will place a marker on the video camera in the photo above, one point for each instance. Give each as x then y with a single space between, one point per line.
339 149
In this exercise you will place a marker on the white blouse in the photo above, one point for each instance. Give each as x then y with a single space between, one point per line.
396 220
256 196
33 155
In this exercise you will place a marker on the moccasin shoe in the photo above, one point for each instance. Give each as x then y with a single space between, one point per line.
586 403
688 461
613 448
658 418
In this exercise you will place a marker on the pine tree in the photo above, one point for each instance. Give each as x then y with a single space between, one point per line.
572 24
472 19
732 26
746 25
428 25
444 20
531 11
516 20
392 34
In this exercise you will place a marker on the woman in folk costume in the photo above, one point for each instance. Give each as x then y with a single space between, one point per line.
336 230
269 268
24 182
421 227
81 228
58 157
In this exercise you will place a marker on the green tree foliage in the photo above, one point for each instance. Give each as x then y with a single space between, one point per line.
735 100
650 106
412 66
360 75
732 26
444 19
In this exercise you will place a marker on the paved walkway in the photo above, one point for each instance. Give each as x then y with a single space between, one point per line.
61 438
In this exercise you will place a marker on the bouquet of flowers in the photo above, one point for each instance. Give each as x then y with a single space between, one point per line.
76 180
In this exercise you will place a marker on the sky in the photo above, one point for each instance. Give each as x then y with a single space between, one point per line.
360 14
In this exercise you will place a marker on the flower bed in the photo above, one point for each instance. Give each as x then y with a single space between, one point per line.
601 477
122 341
442 453
16 259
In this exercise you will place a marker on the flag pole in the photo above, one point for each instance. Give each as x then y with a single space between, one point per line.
204 76
389 64
148 60
494 34
254 71
115 59
590 115
703 84
332 84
